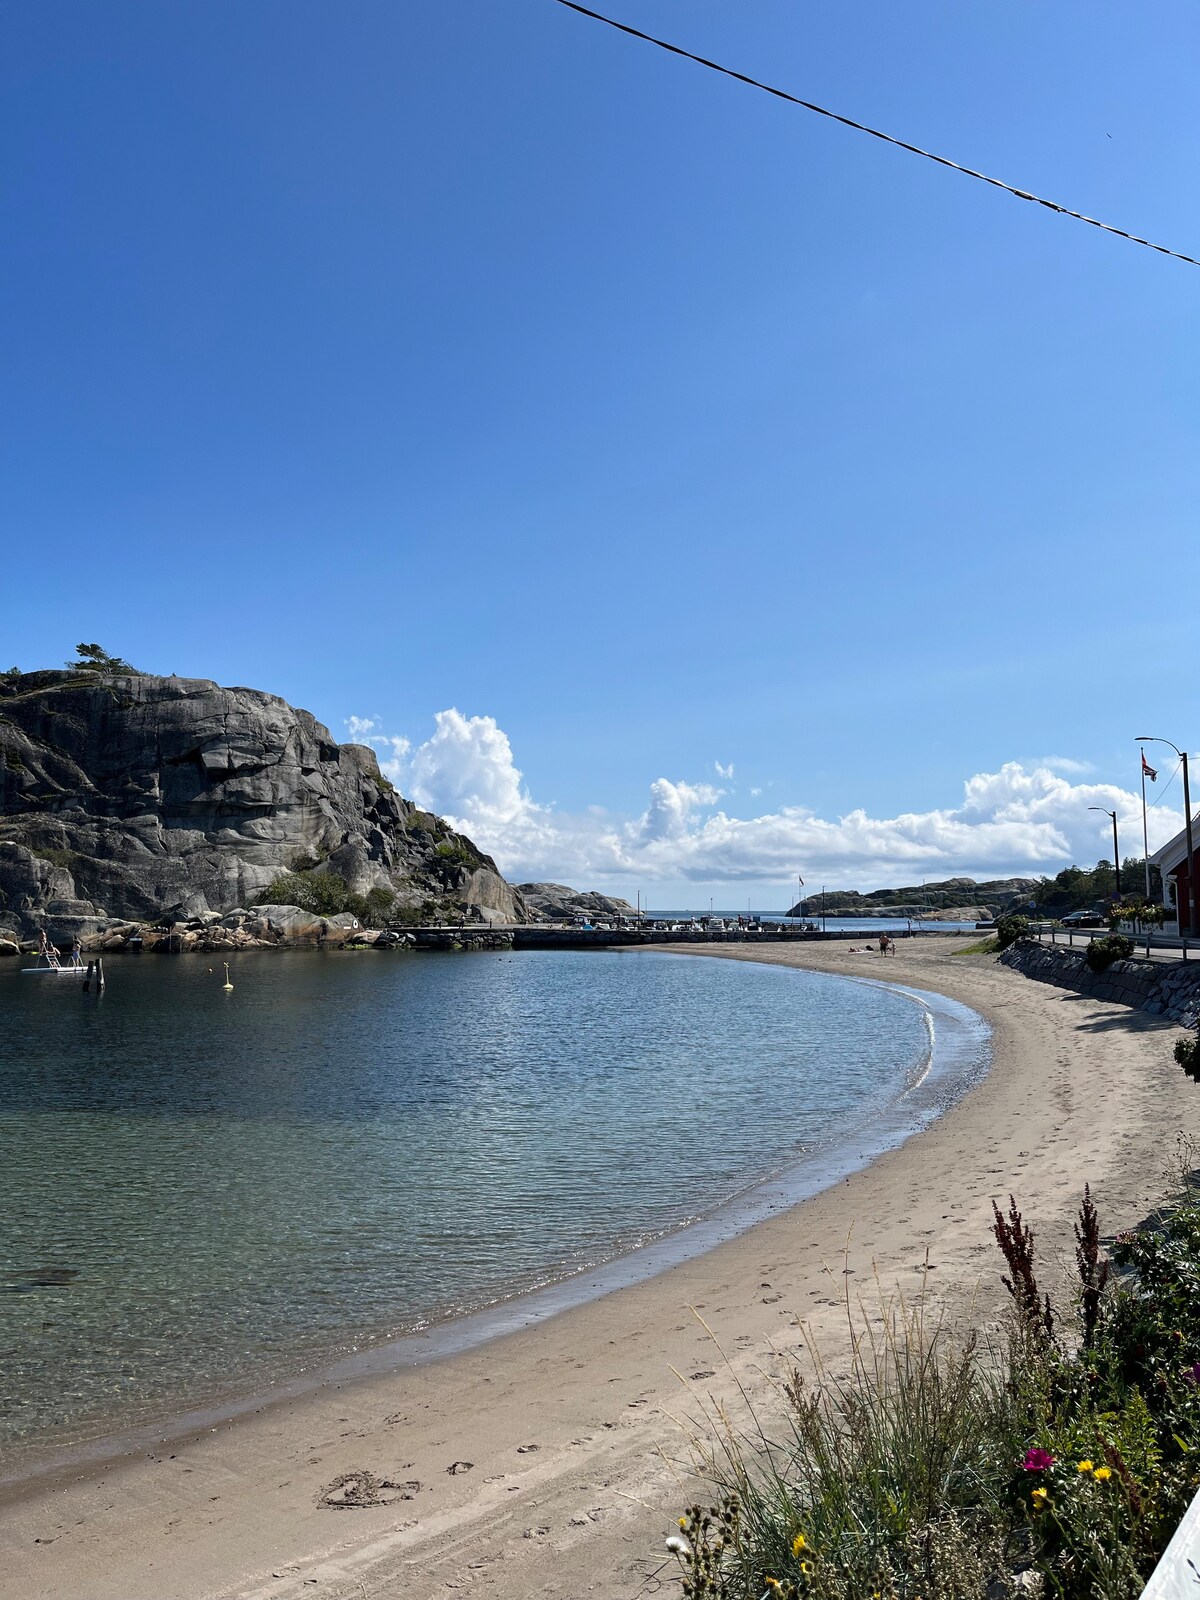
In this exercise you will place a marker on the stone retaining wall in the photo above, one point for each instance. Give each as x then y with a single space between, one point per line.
1166 989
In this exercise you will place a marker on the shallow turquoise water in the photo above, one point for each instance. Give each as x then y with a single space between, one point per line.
200 1189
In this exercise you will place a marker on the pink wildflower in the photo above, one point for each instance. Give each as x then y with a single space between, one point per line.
1037 1460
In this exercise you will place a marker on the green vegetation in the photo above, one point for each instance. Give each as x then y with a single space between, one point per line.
1009 930
981 947
1079 889
327 894
1101 953
1187 1053
456 853
93 658
1137 911
940 1469
56 858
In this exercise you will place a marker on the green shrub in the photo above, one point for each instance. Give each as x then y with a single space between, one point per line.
1009 930
455 853
1187 1053
322 893
1101 953
326 894
56 858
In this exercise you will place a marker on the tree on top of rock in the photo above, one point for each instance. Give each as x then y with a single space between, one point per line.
92 658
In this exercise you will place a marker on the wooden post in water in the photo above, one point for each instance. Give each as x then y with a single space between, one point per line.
99 974
87 981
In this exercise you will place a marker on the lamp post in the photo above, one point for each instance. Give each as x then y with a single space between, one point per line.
1150 738
1116 848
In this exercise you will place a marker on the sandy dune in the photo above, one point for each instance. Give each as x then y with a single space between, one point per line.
571 1428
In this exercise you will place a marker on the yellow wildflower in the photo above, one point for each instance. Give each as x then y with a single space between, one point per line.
683 1520
1100 1473
806 1566
799 1543
1038 1496
1084 1466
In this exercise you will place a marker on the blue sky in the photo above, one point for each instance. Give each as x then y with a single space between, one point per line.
408 358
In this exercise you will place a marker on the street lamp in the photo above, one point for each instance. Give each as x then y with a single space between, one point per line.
1150 738
1116 850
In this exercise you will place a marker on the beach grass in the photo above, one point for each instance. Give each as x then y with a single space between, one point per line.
1056 1458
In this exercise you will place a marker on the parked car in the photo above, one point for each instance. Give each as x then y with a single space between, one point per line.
1084 919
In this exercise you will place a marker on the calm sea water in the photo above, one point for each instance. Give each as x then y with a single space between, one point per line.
200 1190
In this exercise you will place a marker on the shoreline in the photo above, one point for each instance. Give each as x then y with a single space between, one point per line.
577 1464
957 1058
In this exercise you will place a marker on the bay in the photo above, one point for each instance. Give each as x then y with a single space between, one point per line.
203 1190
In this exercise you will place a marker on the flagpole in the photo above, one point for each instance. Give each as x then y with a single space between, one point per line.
1145 835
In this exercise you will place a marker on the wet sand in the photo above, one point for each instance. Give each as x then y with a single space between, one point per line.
553 1461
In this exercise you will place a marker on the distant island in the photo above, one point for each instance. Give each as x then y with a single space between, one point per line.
952 900
556 903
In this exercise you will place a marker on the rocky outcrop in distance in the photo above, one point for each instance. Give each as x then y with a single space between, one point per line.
555 902
130 798
954 899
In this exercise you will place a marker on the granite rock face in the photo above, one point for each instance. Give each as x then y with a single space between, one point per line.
555 902
137 798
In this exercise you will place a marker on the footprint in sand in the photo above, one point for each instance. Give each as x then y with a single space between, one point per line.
527 1449
456 1467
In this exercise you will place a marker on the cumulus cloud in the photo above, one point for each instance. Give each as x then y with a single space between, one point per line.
1023 819
723 772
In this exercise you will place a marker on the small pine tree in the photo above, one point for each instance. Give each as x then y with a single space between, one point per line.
94 658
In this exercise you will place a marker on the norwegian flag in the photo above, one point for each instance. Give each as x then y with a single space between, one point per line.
1147 770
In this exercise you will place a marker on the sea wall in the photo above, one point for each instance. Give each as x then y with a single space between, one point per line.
1165 989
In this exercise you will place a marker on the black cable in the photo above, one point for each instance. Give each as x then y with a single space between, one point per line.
861 127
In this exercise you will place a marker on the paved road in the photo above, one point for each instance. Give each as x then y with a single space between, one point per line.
1162 947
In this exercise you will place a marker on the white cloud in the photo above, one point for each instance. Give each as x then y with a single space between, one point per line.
723 772
1024 819
1067 764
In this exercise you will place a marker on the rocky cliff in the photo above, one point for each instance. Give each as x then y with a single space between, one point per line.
132 797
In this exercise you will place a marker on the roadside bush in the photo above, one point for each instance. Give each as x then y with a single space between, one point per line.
1009 930
1187 1053
1101 953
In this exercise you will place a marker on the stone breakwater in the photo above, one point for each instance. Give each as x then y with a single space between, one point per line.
1170 990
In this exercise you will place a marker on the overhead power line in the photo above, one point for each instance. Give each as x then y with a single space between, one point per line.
862 127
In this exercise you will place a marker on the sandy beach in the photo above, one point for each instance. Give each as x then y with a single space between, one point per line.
553 1461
